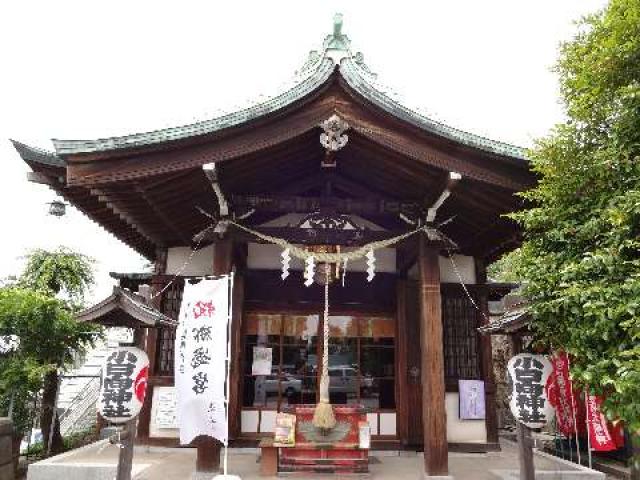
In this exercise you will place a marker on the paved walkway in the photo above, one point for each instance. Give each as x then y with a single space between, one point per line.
172 463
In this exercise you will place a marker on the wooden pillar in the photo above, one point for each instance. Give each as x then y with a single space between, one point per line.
148 342
235 385
208 448
402 365
436 462
486 353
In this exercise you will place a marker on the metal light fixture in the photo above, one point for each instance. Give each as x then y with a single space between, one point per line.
57 208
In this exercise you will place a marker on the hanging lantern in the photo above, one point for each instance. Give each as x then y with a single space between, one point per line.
57 208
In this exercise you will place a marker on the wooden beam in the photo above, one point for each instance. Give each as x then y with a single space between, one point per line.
124 214
211 173
313 236
169 224
436 462
298 204
39 177
450 183
486 353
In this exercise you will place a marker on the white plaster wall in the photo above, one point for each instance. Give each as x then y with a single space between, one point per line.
387 424
267 421
466 268
263 256
267 257
200 264
463 431
249 421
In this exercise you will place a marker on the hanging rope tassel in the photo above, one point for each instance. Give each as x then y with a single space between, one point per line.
323 417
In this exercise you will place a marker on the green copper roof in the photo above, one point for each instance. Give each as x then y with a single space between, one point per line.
37 155
360 79
315 72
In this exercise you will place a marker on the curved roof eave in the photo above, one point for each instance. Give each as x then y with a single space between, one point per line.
308 81
313 75
38 155
351 72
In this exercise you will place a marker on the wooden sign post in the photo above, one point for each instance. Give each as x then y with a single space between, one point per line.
125 456
525 452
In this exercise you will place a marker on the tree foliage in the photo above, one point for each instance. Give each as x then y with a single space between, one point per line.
50 338
505 268
61 270
581 258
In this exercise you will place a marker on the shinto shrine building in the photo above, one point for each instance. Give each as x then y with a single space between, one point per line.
333 162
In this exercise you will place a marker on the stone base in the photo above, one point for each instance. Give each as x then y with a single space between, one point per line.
585 474
437 477
56 467
204 475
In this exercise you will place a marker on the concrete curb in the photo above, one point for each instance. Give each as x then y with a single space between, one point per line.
54 467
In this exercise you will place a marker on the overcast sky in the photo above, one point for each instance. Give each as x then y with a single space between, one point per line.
82 70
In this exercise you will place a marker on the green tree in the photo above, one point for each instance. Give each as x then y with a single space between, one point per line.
505 268
59 271
581 255
49 335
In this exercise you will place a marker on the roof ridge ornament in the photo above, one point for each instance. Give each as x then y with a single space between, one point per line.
337 45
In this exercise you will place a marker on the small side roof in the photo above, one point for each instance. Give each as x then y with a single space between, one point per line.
125 309
512 321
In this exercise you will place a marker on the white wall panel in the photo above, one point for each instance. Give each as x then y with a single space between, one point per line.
200 264
463 431
388 424
249 421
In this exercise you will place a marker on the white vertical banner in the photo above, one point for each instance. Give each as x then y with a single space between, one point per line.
200 360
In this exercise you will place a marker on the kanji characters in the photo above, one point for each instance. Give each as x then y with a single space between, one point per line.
202 334
200 357
203 309
529 389
117 384
200 382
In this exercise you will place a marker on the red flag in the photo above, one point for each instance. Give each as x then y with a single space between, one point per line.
617 432
561 398
601 439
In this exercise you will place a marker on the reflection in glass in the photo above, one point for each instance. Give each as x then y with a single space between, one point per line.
361 360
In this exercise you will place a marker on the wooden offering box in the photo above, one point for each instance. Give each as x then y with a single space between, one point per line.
337 452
